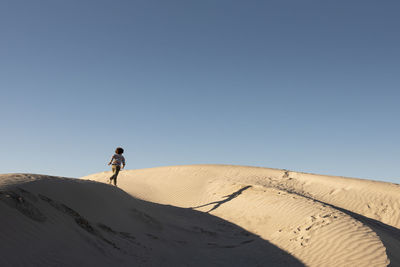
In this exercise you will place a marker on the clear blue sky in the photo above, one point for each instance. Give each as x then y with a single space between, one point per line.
309 86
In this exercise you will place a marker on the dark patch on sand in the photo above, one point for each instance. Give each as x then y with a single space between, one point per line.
22 204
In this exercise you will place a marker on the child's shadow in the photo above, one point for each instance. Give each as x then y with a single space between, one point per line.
228 198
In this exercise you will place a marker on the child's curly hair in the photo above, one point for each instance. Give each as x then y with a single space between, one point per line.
119 150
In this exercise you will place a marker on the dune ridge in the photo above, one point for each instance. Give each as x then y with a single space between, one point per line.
321 220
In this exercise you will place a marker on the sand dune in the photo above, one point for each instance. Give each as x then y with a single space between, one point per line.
200 215
321 220
54 221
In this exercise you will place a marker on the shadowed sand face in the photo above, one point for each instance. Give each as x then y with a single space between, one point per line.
70 222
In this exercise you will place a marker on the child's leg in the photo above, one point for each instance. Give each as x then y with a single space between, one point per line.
116 170
115 173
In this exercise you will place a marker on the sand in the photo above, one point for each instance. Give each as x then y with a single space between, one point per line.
199 215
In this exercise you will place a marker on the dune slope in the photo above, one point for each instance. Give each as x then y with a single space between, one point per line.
55 221
320 220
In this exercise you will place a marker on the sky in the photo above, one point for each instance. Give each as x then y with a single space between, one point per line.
310 86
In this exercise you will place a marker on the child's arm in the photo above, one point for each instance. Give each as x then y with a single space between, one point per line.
111 160
123 162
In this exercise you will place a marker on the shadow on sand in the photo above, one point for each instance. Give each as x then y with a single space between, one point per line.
228 198
150 235
389 235
210 240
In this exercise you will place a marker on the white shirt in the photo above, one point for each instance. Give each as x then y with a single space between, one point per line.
117 159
